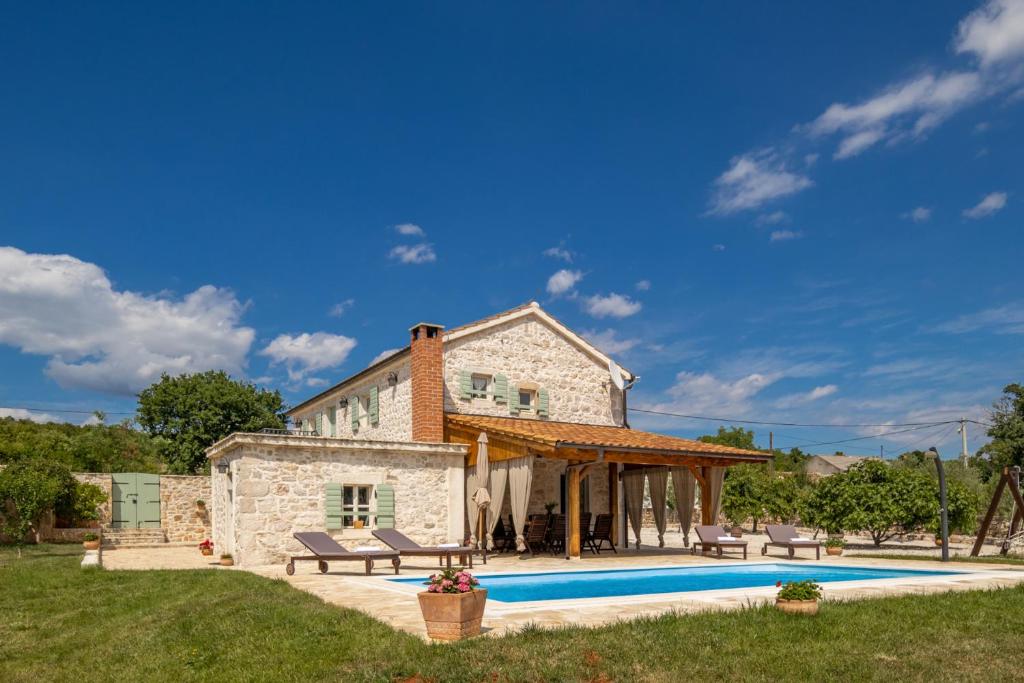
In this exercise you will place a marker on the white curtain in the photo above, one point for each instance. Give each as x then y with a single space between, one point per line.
472 511
683 484
657 479
633 487
499 477
715 477
520 480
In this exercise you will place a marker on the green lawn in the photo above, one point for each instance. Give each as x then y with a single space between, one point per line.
61 623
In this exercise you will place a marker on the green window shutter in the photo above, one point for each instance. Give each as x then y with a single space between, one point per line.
500 389
332 421
332 506
374 409
385 506
513 399
319 424
353 411
307 426
542 402
465 385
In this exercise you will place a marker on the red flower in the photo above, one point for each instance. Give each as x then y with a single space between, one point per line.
778 584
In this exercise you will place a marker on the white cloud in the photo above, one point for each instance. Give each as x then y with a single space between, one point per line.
387 353
752 180
609 341
642 285
316 382
338 309
994 32
717 247
113 341
409 229
563 281
1008 319
991 203
417 253
305 353
91 421
810 159
559 253
35 416
815 394
921 214
784 235
912 107
707 394
773 218
614 305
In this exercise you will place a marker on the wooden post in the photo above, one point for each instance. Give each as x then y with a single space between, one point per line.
613 499
705 498
992 507
573 484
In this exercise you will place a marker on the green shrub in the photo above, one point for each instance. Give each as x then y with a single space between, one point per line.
834 542
87 499
800 590
90 537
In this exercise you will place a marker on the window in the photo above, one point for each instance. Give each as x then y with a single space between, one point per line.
355 504
481 385
526 399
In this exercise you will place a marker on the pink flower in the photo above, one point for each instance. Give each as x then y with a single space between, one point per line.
464 588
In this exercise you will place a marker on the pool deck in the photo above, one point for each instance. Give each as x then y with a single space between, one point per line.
396 604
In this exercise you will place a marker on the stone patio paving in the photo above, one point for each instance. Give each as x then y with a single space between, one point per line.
396 605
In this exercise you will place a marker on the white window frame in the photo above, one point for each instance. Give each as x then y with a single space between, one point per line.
487 391
349 512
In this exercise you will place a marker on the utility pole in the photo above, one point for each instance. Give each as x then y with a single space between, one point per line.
963 440
771 449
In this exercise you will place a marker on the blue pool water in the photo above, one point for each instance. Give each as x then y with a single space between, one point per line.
622 582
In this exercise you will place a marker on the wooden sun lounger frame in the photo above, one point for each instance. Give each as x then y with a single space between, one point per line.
716 544
443 555
791 545
347 556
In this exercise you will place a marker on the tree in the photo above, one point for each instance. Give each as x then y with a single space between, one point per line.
783 498
793 461
744 493
191 412
737 437
1006 448
90 448
28 490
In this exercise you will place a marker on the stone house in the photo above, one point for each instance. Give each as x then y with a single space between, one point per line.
818 466
396 445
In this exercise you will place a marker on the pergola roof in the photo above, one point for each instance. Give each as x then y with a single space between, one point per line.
564 439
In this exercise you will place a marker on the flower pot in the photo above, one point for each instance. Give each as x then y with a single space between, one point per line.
797 606
357 524
938 540
453 616
91 545
833 550
206 551
227 561
736 532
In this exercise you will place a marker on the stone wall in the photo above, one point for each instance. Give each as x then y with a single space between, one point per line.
180 517
274 487
529 350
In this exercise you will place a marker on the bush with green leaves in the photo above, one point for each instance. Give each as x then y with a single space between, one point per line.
86 502
835 542
800 590
28 490
743 494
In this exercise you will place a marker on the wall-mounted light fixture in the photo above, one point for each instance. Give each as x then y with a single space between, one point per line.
222 466
343 403
392 378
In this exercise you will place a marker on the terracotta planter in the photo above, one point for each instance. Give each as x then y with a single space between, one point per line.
227 561
736 532
938 541
797 606
91 545
836 550
357 524
206 551
453 616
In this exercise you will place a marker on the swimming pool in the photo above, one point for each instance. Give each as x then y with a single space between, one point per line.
624 582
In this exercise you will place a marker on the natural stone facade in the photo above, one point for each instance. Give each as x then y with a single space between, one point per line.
180 518
274 486
529 350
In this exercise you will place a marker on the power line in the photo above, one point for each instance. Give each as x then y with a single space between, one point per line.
873 436
786 424
62 410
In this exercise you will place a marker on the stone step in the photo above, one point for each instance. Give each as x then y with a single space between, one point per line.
133 537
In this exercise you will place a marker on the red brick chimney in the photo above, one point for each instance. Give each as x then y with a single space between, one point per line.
427 383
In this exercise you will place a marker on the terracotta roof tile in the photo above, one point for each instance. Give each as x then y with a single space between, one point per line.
569 434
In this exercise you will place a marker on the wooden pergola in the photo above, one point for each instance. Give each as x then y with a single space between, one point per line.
583 446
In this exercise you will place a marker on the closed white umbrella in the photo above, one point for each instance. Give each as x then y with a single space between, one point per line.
482 496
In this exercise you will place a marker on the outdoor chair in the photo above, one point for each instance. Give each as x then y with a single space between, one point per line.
715 537
500 536
556 534
786 536
325 549
406 547
585 518
536 534
601 534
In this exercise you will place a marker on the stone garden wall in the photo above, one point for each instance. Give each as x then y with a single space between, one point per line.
180 517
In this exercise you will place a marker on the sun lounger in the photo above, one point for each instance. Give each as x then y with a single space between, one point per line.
325 549
406 547
785 536
715 537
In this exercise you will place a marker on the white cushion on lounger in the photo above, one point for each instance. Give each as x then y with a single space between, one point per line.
447 545
800 538
726 538
367 549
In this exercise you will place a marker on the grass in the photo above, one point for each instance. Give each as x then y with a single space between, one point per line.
983 559
59 622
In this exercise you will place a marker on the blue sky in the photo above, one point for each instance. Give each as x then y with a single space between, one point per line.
769 211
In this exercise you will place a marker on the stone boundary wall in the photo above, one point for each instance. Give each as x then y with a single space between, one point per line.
180 518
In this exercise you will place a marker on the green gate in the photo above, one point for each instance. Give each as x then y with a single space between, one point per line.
136 501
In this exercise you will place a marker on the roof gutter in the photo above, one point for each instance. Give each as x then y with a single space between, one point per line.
753 457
